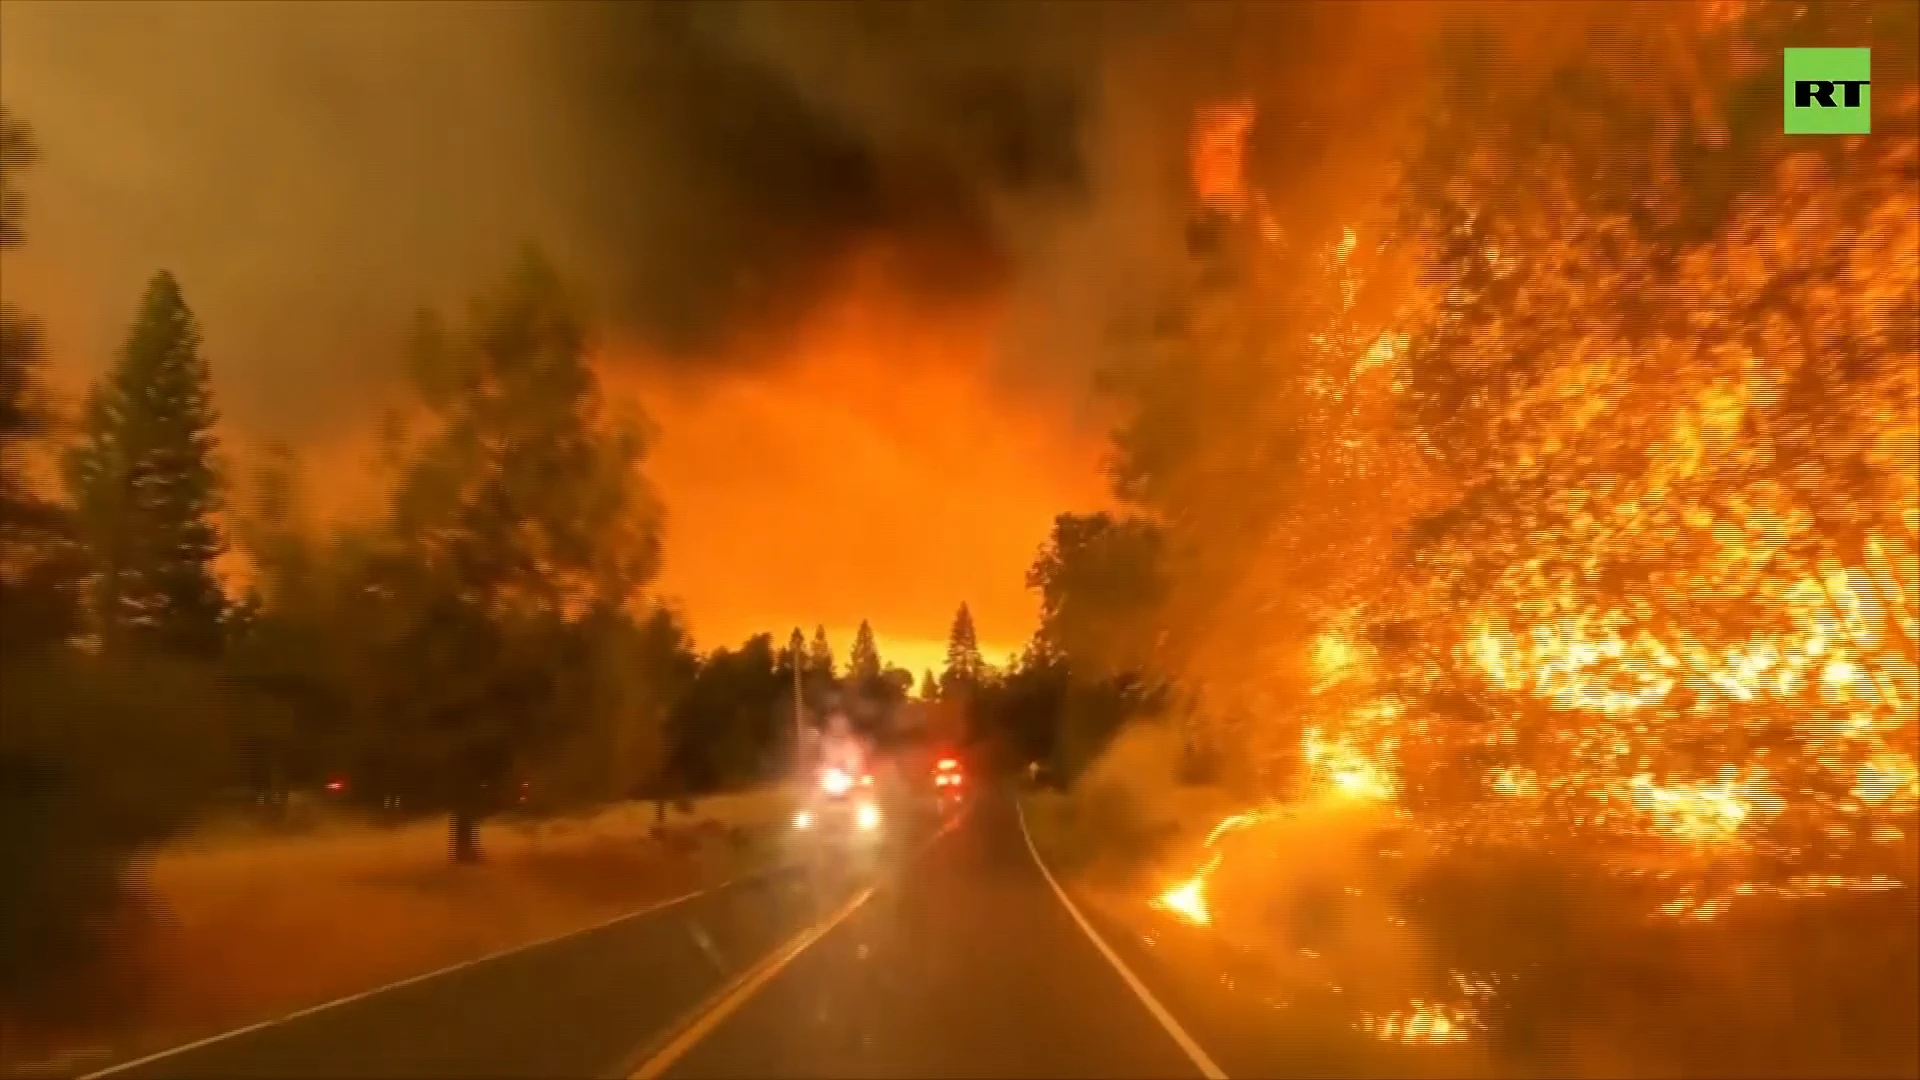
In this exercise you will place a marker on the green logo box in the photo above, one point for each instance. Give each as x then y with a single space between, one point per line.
1828 92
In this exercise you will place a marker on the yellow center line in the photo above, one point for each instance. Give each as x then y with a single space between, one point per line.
742 989
750 982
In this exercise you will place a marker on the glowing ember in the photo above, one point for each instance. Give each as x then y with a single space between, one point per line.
1187 900
1422 1023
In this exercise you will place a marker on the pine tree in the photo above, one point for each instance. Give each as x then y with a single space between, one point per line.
796 672
863 664
38 575
145 482
964 664
820 663
929 689
20 344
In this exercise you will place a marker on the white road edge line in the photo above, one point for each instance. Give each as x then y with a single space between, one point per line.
1179 1034
410 980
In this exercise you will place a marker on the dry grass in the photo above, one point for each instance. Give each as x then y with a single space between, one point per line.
247 926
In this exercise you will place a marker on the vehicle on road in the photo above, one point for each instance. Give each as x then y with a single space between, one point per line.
949 784
841 807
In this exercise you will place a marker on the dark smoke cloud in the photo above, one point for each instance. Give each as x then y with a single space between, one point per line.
747 149
313 171
703 172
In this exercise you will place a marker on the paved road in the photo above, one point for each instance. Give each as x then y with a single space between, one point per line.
576 1007
967 966
959 962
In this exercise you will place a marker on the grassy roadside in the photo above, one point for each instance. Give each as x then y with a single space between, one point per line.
243 926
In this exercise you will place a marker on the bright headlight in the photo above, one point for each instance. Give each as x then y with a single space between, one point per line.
867 817
802 819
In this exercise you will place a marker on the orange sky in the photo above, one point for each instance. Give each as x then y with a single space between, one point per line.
890 465
878 472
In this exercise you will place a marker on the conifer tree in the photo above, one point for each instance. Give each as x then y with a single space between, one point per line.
863 664
146 485
964 663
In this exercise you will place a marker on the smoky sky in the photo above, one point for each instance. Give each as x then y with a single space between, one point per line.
770 141
702 172
313 171
723 183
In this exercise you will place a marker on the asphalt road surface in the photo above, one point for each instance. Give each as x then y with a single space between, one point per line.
947 955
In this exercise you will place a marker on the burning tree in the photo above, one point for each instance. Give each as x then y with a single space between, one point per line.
1671 591
1572 494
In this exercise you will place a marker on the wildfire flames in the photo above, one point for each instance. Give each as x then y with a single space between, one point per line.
1188 899
1422 1023
1220 157
1682 620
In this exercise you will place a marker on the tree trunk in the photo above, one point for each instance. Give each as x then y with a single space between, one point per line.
465 828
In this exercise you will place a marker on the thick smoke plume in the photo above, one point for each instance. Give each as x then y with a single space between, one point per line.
706 169
716 179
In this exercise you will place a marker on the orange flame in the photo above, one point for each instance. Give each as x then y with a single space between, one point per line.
1220 156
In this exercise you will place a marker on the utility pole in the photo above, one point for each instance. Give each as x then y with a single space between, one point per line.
797 646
